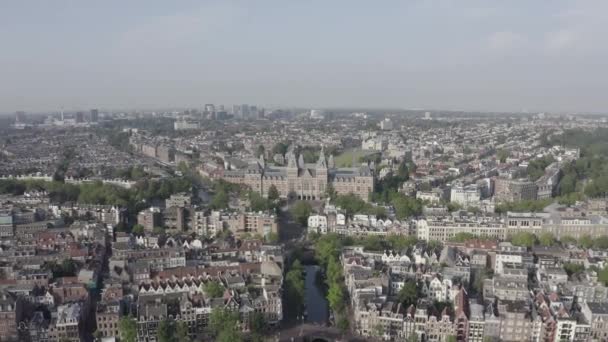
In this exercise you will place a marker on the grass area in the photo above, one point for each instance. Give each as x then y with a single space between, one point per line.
346 158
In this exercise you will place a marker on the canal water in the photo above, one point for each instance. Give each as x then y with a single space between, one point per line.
204 195
316 304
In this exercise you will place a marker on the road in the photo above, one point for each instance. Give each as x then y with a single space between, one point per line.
312 332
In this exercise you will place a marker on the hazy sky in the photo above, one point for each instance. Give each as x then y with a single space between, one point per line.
453 54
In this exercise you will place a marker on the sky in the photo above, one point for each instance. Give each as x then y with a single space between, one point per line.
511 55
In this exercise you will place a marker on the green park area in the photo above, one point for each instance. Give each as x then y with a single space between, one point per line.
345 159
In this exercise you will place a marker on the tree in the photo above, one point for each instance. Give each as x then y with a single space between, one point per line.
400 242
567 240
372 243
523 206
272 238
412 338
453 206
585 241
403 171
408 294
334 271
166 331
330 192
406 207
536 168
546 239
474 210
259 203
258 323
573 269
350 203
295 287
128 329
378 330
502 155
273 193
571 198
602 275
600 242
220 200
182 334
280 148
567 184
335 297
478 280
300 211
327 247
223 320
463 237
67 268
523 239
230 335
138 229
260 150
343 323
214 289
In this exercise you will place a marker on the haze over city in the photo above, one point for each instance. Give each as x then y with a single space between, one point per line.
445 54
303 171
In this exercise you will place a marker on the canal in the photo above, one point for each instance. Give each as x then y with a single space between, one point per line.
316 304
204 195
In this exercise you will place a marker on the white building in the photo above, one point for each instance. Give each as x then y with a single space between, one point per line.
317 224
466 196
386 124
317 114
182 125
374 144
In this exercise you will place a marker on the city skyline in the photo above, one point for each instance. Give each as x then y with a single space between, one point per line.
422 54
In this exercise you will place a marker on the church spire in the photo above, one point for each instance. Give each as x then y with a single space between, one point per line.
291 160
322 163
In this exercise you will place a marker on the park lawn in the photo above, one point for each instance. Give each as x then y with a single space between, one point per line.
345 159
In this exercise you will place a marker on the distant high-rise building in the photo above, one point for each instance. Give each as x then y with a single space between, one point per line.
20 117
236 111
245 111
209 111
427 116
221 115
317 114
79 117
94 115
209 108
386 124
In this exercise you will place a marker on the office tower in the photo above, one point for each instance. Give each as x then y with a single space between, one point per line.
20 117
236 111
245 111
94 115
209 108
79 117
